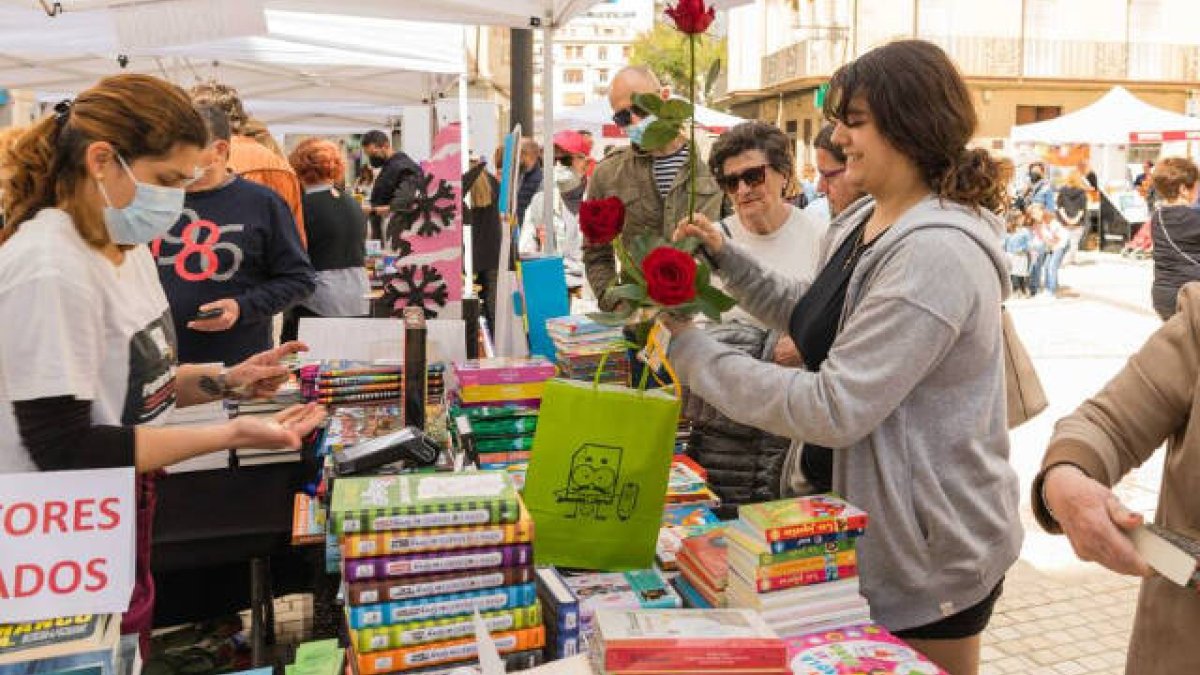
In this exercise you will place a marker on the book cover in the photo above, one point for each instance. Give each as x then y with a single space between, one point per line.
806 578
687 640
791 568
440 606
441 629
348 426
708 556
803 517
384 503
857 649
365 569
561 603
818 609
308 521
502 370
82 645
494 393
635 589
751 552
713 597
1172 554
438 538
688 515
749 596
407 658
807 625
410 588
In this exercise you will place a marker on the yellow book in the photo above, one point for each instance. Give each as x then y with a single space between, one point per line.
485 393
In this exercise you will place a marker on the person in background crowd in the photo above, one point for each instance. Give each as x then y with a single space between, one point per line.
253 152
589 143
363 182
1176 231
1071 211
838 193
570 177
900 333
1051 245
395 186
337 233
808 183
1085 169
1144 184
752 162
483 215
233 253
1018 243
1152 401
531 177
1038 191
92 372
658 178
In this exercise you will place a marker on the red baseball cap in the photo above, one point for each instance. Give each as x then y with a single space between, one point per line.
571 142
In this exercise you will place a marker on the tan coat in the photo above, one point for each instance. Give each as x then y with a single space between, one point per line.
1156 397
629 174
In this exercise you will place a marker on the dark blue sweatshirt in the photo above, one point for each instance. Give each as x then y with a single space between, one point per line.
236 241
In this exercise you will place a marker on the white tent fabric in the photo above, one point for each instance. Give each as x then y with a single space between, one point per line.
1108 121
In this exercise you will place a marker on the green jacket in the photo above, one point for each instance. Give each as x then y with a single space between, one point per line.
628 173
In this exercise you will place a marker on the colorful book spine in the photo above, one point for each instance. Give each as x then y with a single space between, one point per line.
691 595
514 662
436 539
420 501
491 393
441 606
399 660
779 583
364 569
510 444
562 606
803 565
410 588
373 397
383 520
803 517
442 629
524 404
357 381
694 655
504 457
832 547
486 428
359 389
489 372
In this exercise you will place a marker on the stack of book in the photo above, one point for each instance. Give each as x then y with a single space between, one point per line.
560 611
679 523
340 382
635 589
703 570
580 345
688 484
423 552
502 381
866 648
496 438
794 561
88 643
668 642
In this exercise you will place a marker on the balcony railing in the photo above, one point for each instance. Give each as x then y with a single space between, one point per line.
1002 57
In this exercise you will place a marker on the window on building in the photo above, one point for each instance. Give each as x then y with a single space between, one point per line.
573 99
1027 114
626 52
602 53
574 51
573 76
602 76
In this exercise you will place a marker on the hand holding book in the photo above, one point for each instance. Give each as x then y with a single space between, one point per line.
1093 519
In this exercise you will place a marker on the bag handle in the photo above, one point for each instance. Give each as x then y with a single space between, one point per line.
646 370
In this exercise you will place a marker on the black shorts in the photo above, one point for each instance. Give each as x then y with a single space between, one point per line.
967 623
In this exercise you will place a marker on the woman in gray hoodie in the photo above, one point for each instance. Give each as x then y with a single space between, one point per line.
900 334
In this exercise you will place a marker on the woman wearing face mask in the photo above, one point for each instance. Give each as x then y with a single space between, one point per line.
570 169
905 318
92 371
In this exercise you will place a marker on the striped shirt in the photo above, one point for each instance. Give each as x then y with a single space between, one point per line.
667 168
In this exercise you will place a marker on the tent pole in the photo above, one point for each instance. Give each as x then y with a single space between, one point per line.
464 128
548 185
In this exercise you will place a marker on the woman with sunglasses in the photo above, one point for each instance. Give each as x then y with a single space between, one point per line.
88 369
900 334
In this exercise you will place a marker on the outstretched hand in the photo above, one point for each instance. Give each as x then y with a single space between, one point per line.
1094 520
284 431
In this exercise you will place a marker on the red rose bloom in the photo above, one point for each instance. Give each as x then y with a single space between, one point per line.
670 276
601 220
692 16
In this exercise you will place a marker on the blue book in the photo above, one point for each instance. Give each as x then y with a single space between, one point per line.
691 597
439 606
83 645
560 609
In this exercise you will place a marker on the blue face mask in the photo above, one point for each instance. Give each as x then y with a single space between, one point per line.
150 215
635 132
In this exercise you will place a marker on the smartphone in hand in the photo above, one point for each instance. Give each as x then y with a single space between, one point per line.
206 314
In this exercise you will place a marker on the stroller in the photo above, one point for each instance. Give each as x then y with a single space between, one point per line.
1141 246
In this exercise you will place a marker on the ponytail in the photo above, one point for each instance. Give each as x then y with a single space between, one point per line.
29 174
974 180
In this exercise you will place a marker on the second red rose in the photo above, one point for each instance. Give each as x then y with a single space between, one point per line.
670 276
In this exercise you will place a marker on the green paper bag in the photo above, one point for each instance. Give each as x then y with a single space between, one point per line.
597 478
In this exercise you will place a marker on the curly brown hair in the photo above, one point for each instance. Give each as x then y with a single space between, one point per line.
317 161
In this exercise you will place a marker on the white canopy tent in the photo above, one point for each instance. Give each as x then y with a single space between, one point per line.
1113 120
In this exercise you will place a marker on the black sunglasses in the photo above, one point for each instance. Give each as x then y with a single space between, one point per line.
624 117
753 177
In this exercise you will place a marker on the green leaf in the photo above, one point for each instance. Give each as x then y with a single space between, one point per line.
676 110
629 267
616 318
703 275
642 244
652 103
659 134
632 292
719 299
708 308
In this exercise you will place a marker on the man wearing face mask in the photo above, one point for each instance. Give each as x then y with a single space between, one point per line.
1039 191
232 261
396 184
570 177
653 185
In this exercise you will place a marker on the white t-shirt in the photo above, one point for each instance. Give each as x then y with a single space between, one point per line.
76 325
792 250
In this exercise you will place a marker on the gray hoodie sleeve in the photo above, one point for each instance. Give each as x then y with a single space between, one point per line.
764 293
902 328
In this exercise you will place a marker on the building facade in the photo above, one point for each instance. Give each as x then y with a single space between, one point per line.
1025 60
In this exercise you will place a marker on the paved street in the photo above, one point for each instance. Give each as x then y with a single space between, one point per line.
1059 615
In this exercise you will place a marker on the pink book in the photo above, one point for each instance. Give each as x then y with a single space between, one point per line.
503 370
866 648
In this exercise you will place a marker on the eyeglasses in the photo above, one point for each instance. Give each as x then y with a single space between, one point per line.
753 177
624 117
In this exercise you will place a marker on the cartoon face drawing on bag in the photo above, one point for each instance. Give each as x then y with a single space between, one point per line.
593 484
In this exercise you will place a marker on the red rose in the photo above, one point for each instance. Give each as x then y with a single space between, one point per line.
670 276
601 220
692 16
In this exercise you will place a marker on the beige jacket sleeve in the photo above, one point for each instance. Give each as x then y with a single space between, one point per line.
1146 403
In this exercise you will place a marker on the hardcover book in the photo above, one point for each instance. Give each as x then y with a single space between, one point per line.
384 503
81 644
494 393
408 658
415 633
687 640
1172 554
441 606
438 538
410 588
803 517
858 649
635 589
363 569
748 551
502 370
